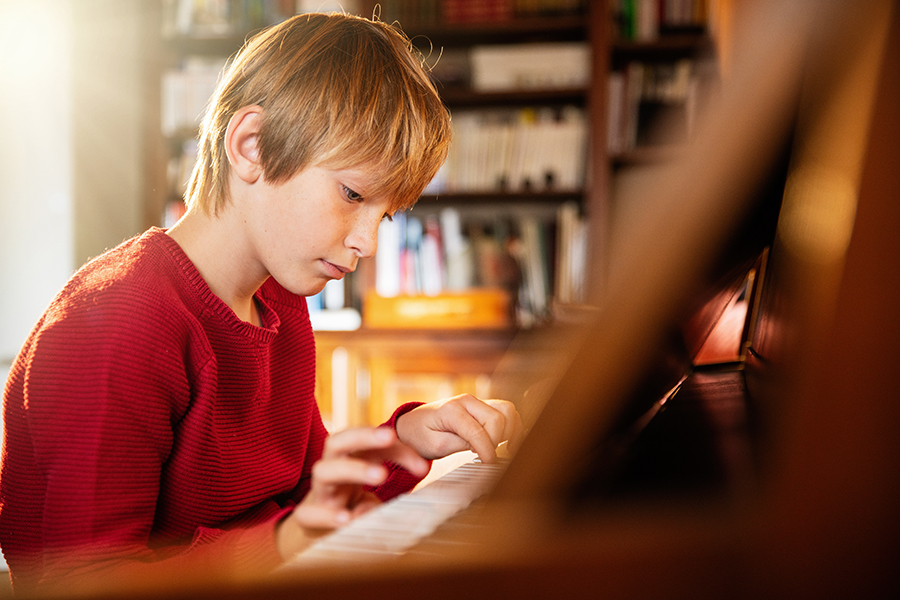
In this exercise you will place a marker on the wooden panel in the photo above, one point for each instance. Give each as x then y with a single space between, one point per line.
387 367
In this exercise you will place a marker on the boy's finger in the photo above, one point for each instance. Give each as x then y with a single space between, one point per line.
401 454
316 517
358 440
495 416
514 429
373 446
460 421
347 470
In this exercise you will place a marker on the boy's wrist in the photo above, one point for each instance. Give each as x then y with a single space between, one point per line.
290 538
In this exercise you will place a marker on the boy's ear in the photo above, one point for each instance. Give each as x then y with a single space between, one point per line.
241 143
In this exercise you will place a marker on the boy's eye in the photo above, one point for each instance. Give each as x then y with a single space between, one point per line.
351 195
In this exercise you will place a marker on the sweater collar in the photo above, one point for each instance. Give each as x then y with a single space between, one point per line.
207 301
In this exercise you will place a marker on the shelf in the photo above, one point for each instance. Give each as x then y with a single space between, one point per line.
363 375
550 197
462 97
368 334
667 47
516 30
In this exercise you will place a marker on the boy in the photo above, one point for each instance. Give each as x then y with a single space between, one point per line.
160 419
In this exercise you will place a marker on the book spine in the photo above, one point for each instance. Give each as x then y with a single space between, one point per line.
515 150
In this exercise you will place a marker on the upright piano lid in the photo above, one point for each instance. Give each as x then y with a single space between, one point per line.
807 75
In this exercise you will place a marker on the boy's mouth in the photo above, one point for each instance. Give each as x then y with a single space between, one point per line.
337 271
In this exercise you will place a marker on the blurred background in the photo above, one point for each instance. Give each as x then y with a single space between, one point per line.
552 103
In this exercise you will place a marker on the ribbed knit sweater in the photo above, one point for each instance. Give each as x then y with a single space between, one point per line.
151 433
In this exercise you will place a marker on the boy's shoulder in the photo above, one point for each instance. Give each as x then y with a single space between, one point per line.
122 313
148 283
143 275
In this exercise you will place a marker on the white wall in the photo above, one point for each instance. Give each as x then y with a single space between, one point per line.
71 161
109 109
36 204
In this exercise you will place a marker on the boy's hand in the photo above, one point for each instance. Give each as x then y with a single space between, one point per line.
350 461
463 422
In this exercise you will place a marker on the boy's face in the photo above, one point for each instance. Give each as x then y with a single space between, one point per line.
316 226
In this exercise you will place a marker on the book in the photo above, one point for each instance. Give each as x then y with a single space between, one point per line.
466 12
645 96
223 18
457 252
387 259
186 91
550 65
515 149
646 20
571 255
328 310
531 252
432 258
537 258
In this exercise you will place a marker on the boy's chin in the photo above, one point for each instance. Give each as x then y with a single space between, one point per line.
303 288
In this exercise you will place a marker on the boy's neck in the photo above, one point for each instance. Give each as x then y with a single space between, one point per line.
216 249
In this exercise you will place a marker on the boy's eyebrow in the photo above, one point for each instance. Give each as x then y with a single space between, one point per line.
354 187
360 183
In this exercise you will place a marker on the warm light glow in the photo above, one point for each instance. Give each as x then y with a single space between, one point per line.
819 210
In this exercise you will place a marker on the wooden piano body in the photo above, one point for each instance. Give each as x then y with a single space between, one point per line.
807 463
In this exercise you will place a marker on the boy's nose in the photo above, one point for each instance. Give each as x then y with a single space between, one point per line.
364 237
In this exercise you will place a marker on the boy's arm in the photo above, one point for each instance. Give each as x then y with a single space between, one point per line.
399 480
351 461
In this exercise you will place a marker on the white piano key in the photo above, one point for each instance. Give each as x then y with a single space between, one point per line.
393 528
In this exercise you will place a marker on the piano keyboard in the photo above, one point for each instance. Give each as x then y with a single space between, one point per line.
394 527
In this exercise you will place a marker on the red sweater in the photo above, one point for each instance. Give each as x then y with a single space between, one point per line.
149 432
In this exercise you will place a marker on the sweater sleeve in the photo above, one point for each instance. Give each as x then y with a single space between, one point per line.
399 480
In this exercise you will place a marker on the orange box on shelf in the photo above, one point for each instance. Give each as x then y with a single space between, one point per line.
473 309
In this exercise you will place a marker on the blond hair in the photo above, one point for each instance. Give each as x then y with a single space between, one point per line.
337 91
